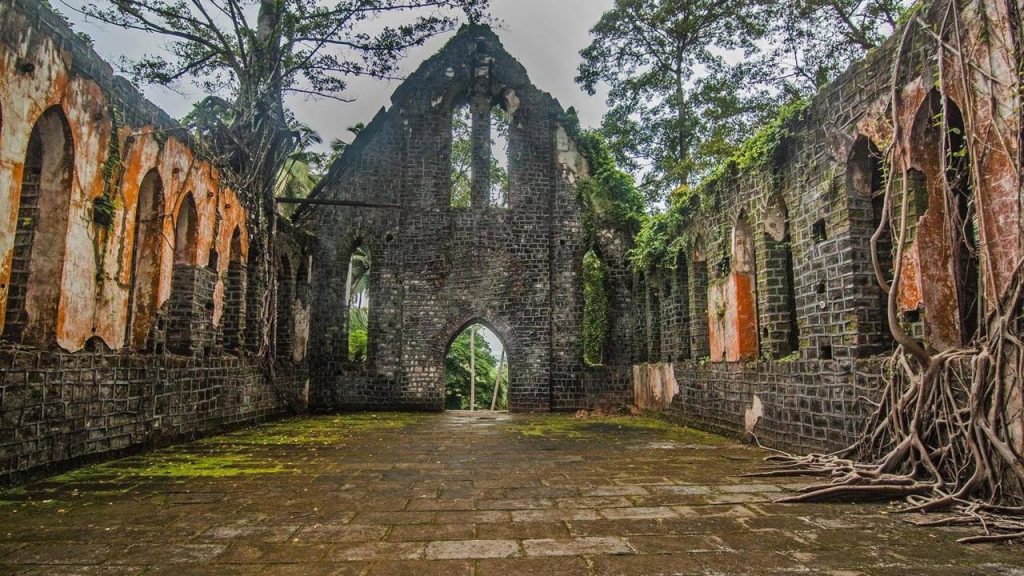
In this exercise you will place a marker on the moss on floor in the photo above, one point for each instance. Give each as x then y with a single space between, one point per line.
323 430
232 455
566 426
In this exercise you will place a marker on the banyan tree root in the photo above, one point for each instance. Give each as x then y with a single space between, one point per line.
945 436
942 438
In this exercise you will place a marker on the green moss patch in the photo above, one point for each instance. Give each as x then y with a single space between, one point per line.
322 430
175 463
571 427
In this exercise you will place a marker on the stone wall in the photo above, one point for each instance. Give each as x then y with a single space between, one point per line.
804 364
59 409
438 268
126 270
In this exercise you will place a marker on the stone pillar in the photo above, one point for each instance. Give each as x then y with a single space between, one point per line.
190 329
233 319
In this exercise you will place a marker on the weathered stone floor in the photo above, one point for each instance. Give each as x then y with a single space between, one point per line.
455 494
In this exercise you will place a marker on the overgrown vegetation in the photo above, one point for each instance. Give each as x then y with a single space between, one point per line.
664 234
595 309
609 195
943 435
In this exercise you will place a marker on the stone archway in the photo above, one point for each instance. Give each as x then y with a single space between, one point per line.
456 325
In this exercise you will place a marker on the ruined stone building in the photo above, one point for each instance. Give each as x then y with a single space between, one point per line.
130 315
510 263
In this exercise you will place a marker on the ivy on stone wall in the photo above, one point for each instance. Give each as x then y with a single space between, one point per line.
595 309
662 235
609 195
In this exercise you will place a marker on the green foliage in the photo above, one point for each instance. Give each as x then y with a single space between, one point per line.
595 309
357 345
462 158
661 235
689 80
609 195
456 373
103 210
676 101
359 304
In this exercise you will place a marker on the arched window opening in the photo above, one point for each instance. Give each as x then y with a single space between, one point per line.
653 317
700 320
285 324
499 158
780 334
642 349
233 319
186 232
476 371
479 155
595 309
462 158
967 239
37 265
866 183
148 246
357 296
745 346
682 292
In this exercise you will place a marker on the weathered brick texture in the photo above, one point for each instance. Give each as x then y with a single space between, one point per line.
437 268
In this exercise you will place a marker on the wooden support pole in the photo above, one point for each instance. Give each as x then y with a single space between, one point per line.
497 382
326 202
472 368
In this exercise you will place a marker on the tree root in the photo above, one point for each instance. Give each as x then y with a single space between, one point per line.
942 435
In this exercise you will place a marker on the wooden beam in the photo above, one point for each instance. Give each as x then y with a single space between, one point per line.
323 202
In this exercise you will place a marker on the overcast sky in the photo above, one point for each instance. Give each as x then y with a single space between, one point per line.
545 35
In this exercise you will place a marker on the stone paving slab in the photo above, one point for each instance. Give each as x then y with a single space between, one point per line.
459 494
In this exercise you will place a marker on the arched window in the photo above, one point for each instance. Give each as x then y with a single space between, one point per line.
967 235
186 232
480 154
461 158
699 319
744 280
595 309
148 246
865 179
780 333
499 158
357 299
285 322
40 237
653 292
682 292
641 352
233 318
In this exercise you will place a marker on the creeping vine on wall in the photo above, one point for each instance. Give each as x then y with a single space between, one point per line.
595 309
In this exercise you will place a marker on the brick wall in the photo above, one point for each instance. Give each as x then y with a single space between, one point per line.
76 390
812 207
58 409
436 268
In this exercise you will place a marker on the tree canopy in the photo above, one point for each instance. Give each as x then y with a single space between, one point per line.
690 80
